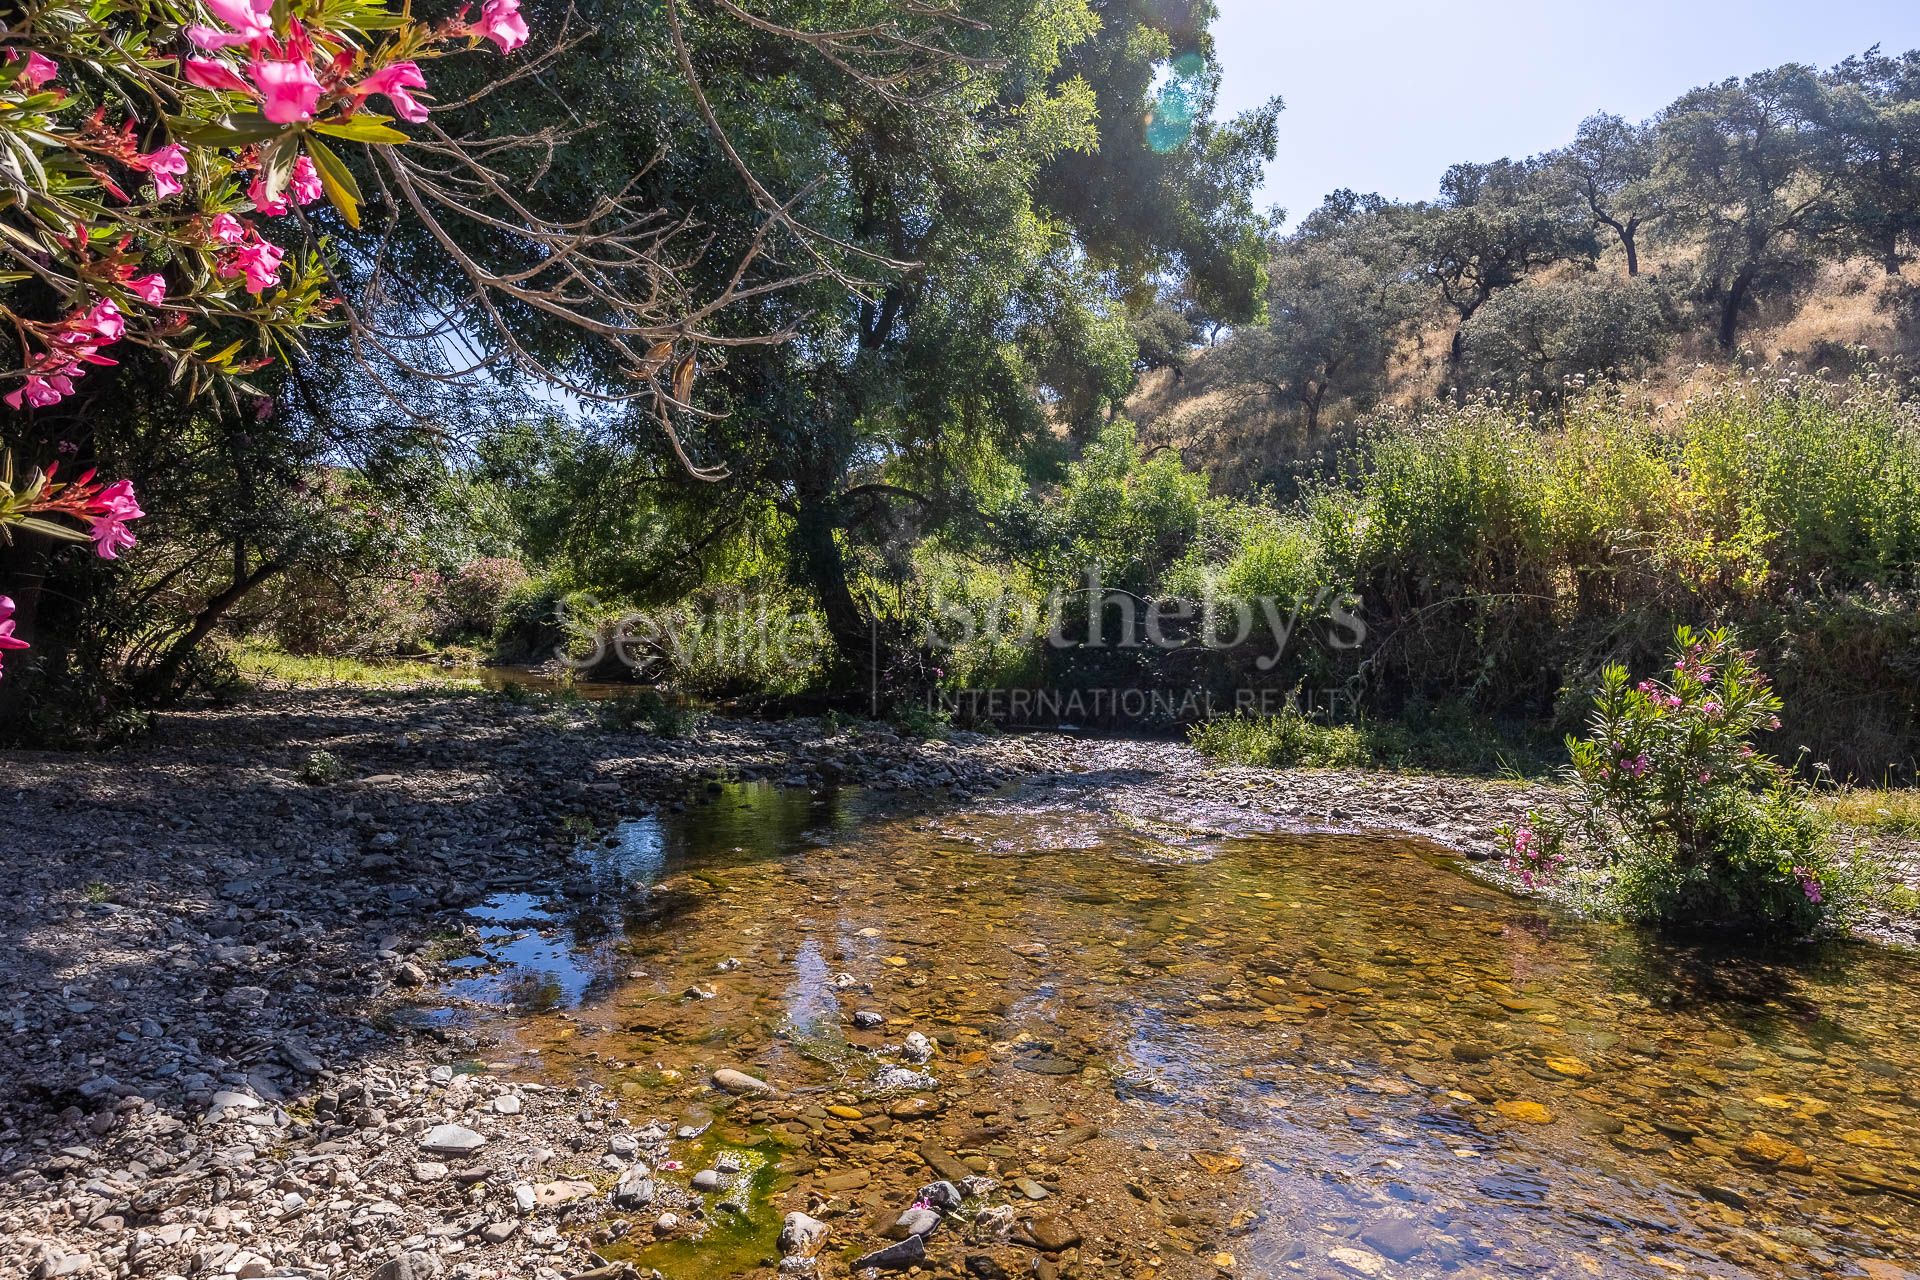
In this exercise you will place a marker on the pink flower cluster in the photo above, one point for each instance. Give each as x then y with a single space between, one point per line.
7 639
166 166
107 509
1530 860
290 77
1809 885
245 253
71 345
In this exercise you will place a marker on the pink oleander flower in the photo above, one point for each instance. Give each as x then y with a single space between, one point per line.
500 22
1810 885
208 73
1636 767
37 72
112 508
257 260
289 90
226 229
252 19
257 192
102 322
305 183
150 289
166 166
42 389
7 639
396 81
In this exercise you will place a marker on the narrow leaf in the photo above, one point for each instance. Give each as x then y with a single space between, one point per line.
337 180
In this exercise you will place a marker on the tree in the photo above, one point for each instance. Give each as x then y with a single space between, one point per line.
1873 106
1606 172
1332 320
1164 335
998 301
1166 184
1493 224
1749 165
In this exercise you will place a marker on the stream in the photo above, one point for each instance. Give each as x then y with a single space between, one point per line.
1169 1046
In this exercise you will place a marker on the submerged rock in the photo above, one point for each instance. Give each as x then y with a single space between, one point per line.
910 1252
732 1081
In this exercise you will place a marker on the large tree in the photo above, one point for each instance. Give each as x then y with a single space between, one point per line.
1607 173
1332 319
999 300
1168 185
1873 108
1751 166
1493 224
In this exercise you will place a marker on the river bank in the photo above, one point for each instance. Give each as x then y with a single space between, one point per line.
217 933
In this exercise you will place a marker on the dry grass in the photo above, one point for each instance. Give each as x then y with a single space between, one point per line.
1895 812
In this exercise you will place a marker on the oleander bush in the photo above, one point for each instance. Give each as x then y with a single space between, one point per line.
1673 818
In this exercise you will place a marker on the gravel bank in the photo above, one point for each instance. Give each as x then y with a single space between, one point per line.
200 1075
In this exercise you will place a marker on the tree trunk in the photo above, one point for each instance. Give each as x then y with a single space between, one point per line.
1736 301
1628 243
156 683
817 562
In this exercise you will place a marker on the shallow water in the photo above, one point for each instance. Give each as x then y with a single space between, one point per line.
1204 1052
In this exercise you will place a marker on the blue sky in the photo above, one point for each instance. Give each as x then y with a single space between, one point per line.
1382 95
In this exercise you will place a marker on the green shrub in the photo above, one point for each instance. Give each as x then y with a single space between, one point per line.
1544 336
474 595
664 717
1675 820
322 768
1288 740
527 624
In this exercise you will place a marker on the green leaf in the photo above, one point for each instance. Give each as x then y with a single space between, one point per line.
36 525
364 129
238 130
337 180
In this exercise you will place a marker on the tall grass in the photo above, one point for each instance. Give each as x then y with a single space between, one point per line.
1505 557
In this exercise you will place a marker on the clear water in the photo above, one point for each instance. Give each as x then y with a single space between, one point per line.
1274 1055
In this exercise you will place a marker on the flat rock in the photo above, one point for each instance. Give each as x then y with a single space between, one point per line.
910 1252
1052 1235
452 1140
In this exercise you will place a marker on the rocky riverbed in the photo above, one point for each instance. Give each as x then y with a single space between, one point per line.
221 938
